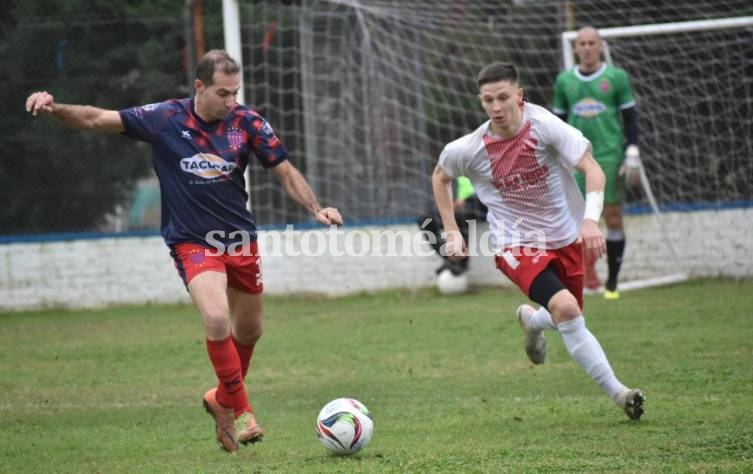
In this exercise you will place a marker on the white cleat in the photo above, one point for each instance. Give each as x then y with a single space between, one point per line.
631 402
535 344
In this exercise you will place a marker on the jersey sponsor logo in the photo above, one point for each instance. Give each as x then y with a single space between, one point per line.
207 166
513 161
588 108
523 180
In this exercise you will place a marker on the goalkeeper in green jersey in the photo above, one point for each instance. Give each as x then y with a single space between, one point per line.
597 99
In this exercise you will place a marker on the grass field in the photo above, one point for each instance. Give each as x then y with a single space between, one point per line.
445 378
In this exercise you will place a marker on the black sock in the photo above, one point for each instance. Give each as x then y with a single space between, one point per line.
615 250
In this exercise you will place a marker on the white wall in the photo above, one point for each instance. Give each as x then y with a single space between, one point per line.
101 272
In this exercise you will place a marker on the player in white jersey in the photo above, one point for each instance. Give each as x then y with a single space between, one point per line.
521 162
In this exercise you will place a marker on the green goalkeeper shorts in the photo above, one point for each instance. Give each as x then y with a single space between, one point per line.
614 191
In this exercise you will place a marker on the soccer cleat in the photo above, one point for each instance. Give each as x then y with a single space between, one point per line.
223 419
535 344
611 295
631 402
248 429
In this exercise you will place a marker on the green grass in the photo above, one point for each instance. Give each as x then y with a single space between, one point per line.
445 378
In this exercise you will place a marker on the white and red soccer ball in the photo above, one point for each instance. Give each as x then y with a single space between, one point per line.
344 426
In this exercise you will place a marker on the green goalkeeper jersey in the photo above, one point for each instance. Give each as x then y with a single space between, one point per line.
593 104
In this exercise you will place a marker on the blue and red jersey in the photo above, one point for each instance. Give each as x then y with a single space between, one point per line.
201 167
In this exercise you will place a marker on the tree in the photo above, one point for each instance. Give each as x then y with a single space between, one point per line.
110 54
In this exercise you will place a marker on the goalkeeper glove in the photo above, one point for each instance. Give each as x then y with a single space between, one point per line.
631 166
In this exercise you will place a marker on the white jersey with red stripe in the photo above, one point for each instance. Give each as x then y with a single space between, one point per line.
526 181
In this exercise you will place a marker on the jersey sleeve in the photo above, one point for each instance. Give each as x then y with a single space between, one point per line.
450 160
559 100
265 144
625 96
567 140
144 122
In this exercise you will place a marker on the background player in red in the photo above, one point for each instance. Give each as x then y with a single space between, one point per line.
200 150
521 164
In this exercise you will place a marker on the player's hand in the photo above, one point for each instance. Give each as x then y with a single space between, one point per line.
591 239
40 103
631 166
455 246
329 216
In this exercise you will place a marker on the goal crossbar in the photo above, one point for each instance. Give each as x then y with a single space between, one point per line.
652 29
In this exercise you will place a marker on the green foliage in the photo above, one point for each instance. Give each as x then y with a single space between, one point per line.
445 378
109 54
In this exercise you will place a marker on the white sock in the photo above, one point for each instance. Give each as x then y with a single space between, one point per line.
541 319
586 350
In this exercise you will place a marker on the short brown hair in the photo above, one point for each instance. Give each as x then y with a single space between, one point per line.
496 72
216 59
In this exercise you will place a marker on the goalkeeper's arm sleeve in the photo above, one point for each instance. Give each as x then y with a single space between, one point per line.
630 119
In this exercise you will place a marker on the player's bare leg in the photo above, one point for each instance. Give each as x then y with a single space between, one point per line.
208 292
247 328
587 352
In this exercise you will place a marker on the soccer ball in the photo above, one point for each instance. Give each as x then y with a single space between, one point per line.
344 426
450 284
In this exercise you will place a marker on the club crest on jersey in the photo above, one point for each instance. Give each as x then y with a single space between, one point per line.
207 165
235 137
588 108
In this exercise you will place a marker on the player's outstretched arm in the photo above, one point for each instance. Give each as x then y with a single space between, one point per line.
298 188
590 234
78 117
442 186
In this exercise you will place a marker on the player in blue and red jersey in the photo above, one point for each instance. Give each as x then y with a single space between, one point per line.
200 150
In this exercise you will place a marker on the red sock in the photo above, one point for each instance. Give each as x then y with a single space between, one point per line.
231 392
244 353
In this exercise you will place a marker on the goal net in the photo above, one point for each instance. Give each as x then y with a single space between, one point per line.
366 93
694 89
